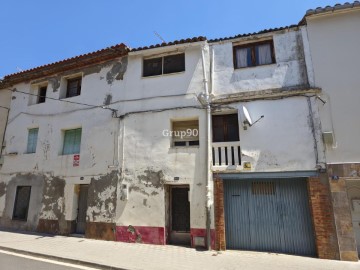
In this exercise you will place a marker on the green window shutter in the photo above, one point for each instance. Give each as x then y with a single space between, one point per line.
72 141
32 140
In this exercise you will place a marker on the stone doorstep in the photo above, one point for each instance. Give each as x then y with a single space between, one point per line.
62 259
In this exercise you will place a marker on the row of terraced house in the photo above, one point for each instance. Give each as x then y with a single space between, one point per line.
247 142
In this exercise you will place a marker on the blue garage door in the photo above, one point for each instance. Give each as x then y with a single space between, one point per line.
269 215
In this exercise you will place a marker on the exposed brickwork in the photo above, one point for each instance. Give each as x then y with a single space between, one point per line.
338 173
219 214
53 227
323 218
100 230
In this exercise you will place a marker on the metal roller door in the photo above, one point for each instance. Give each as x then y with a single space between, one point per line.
268 215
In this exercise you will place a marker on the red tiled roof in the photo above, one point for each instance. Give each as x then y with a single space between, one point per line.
66 64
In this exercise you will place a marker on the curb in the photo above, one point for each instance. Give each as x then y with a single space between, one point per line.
61 259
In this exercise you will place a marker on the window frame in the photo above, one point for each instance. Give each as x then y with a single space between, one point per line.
79 86
16 203
162 65
253 45
187 143
41 98
32 151
226 122
63 153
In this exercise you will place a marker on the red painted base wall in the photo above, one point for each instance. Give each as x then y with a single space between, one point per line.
154 235
202 233
141 234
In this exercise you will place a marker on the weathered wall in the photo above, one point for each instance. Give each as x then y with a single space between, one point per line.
283 140
338 174
353 192
288 71
8 193
58 197
150 164
147 161
5 99
334 41
323 219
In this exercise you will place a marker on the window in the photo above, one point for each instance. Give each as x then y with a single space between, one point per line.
73 87
72 141
164 65
42 94
21 205
255 54
185 133
32 140
225 128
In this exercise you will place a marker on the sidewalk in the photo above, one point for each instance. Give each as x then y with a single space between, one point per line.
117 255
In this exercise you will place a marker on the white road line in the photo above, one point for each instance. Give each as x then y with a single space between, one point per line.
47 261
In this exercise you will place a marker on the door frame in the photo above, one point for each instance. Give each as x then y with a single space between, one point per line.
78 207
168 213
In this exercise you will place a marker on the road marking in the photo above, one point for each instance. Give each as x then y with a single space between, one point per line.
48 261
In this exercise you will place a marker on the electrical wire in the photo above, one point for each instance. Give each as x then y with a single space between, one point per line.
62 100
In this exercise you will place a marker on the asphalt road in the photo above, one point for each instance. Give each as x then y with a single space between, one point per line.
14 262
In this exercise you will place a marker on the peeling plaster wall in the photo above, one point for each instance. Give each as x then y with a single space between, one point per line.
35 204
146 172
147 154
334 47
98 142
288 71
282 140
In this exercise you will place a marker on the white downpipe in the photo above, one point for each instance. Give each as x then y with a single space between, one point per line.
208 152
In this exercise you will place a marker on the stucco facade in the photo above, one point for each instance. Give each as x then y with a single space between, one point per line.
5 98
98 160
333 62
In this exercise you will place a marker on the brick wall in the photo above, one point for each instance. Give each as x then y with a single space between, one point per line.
219 214
323 218
338 173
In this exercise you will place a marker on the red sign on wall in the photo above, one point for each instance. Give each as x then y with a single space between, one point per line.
76 161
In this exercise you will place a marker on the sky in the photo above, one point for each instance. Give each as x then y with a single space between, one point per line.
39 32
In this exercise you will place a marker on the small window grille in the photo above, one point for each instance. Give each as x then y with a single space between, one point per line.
263 188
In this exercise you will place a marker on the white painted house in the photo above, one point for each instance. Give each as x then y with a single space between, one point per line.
206 143
263 106
334 64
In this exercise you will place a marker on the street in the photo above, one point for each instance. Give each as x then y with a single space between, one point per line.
12 261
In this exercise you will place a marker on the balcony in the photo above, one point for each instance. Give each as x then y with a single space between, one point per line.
226 156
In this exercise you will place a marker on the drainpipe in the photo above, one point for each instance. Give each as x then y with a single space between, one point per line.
208 152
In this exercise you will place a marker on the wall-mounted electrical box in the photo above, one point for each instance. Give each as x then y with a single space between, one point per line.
125 192
328 137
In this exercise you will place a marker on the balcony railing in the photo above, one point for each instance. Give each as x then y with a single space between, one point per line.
226 156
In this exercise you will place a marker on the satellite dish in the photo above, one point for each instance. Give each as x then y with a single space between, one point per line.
247 116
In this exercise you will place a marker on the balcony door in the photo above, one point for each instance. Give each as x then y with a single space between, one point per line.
225 128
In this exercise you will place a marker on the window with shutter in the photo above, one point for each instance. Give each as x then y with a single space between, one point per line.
225 128
32 140
73 87
72 141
